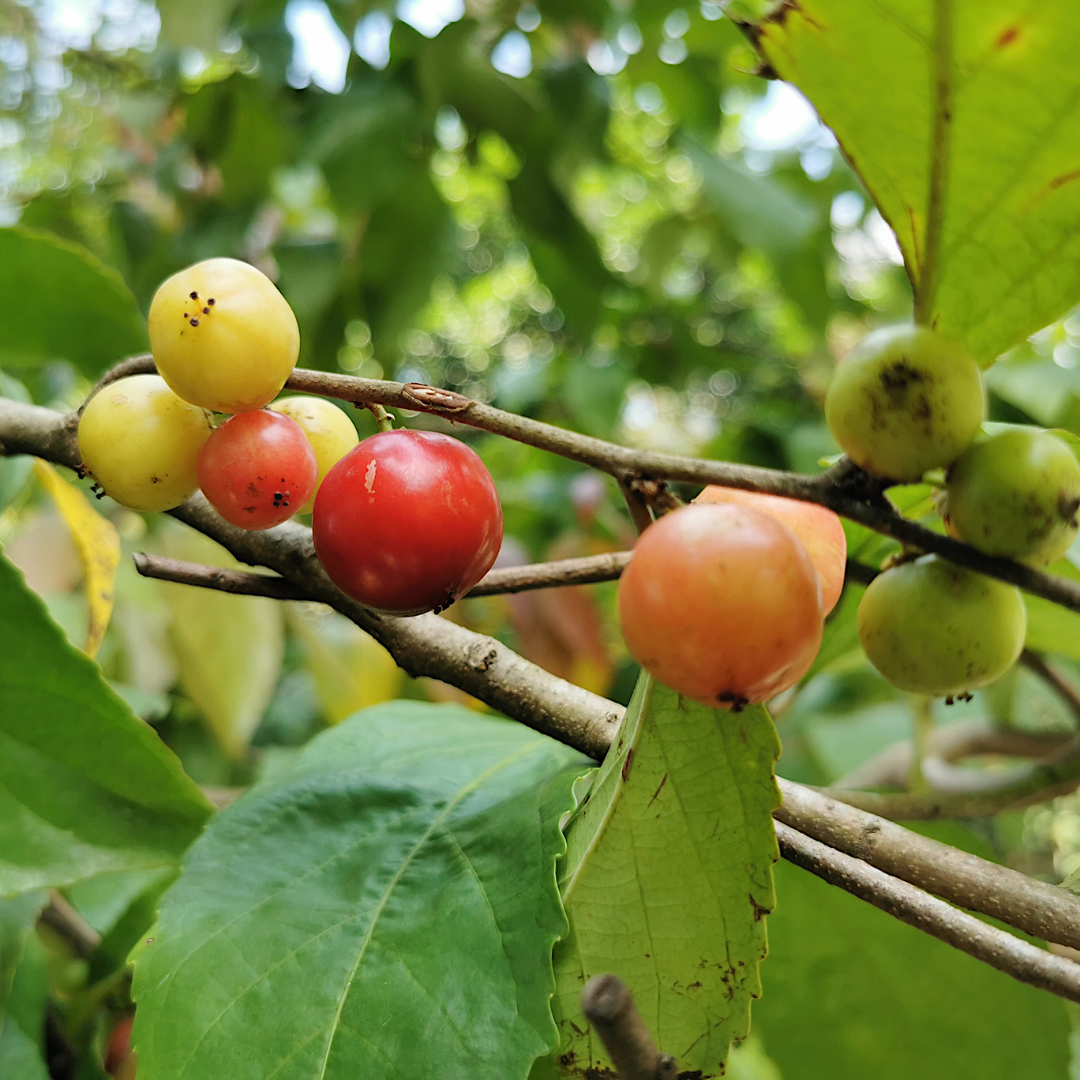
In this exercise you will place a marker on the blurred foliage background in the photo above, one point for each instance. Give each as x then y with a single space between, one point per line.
595 213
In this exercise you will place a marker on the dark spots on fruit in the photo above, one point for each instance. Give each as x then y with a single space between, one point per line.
253 491
206 311
1007 37
194 295
249 509
627 763
194 322
736 702
1068 508
187 315
154 480
211 301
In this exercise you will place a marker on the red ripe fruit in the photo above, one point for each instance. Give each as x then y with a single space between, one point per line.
257 469
721 603
407 522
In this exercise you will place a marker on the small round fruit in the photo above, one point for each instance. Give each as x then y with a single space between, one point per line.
141 442
1015 494
817 528
257 469
328 429
722 604
905 400
407 522
223 337
935 628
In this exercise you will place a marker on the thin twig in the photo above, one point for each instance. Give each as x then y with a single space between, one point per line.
239 582
844 488
1033 906
60 917
511 579
1025 785
950 743
609 1006
1001 950
1053 678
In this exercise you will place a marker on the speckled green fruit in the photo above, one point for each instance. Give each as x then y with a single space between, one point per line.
905 400
935 628
1015 494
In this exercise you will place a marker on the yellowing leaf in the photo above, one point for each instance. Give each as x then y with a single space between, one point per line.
228 648
350 668
99 549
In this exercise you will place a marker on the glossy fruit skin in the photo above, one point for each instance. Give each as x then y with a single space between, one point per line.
327 428
935 628
257 469
722 604
905 400
1015 494
223 337
141 443
817 528
407 522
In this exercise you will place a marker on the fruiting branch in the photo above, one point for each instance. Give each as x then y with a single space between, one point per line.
480 665
1001 950
844 488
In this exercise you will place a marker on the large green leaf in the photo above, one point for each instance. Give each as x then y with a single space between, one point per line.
852 993
667 877
22 1020
963 119
85 786
59 302
384 906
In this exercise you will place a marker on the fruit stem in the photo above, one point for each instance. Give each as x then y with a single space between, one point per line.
382 418
923 730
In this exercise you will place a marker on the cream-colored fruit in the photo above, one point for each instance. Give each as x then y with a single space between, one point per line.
328 429
223 337
142 442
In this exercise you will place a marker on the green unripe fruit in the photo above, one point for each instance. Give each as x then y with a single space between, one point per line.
905 400
935 628
1015 494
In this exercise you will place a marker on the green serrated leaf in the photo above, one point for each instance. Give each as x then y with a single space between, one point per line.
60 302
85 786
384 906
970 155
851 993
667 877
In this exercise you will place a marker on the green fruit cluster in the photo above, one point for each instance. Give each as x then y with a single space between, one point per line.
906 401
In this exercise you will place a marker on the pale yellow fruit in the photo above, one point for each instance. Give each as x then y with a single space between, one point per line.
142 442
223 337
328 429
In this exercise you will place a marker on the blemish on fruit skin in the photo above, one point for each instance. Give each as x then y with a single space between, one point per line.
1007 37
194 295
369 477
194 322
